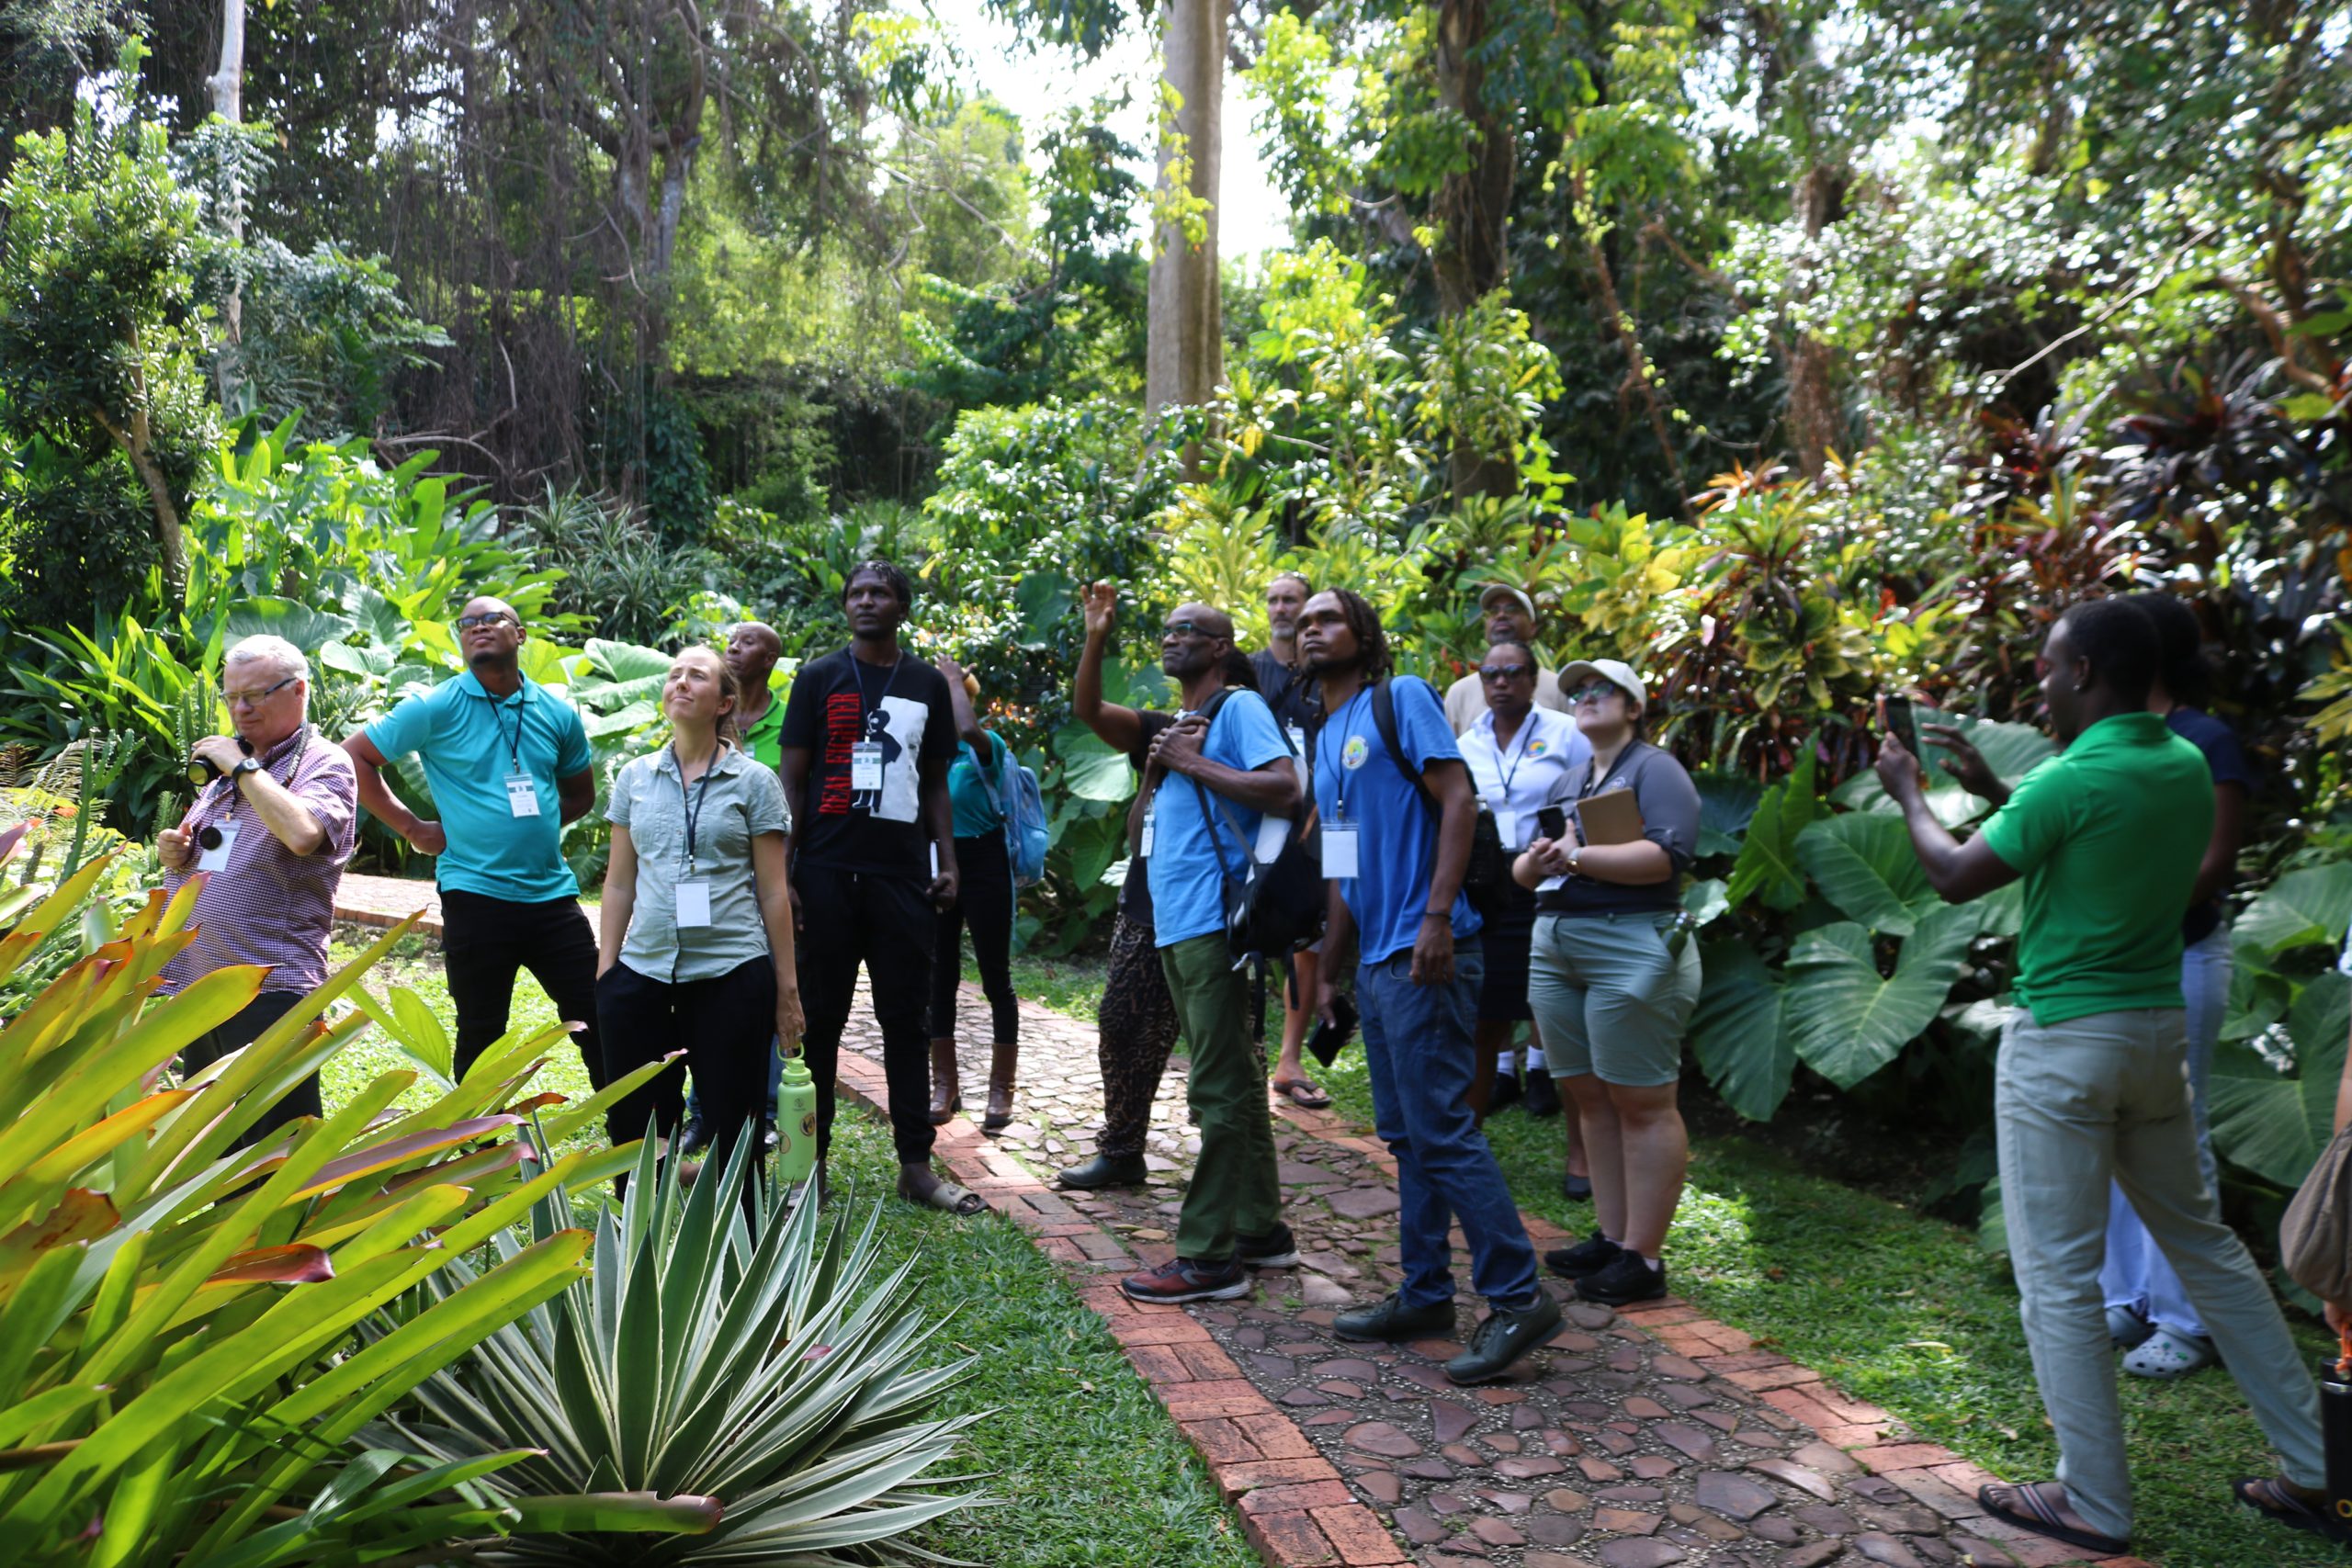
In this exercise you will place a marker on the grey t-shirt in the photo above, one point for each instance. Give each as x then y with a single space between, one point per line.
1670 807
740 799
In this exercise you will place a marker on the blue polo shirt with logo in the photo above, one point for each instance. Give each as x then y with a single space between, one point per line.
468 742
1358 784
1187 883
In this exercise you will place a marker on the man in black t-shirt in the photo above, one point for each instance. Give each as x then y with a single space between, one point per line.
1295 695
868 739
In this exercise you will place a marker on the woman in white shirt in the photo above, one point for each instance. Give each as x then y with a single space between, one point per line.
1516 752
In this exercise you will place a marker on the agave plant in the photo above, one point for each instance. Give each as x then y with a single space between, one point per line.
175 1313
748 1359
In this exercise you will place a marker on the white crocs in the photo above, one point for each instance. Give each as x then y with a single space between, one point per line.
2167 1355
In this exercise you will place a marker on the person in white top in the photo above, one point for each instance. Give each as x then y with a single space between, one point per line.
1516 751
1507 614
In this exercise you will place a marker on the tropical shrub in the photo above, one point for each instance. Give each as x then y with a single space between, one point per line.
751 1361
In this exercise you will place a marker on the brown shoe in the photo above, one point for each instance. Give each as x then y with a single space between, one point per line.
1001 1070
947 1093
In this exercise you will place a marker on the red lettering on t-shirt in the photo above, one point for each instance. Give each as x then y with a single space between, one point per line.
845 718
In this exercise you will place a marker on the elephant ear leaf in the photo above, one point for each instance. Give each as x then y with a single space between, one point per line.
2301 909
1865 866
1845 1019
2273 1125
1739 1030
1768 864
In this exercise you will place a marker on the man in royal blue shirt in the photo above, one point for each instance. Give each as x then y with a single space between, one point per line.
1395 844
1216 774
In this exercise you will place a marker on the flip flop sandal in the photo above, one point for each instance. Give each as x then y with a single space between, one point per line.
1301 1093
2025 1507
2266 1497
948 1199
2166 1355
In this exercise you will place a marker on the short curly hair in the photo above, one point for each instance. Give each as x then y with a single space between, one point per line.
892 578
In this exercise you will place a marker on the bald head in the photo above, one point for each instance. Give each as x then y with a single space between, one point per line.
752 648
1195 638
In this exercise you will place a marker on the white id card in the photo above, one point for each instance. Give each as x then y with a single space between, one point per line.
1507 826
694 904
1144 848
217 859
1339 853
1297 741
522 799
866 766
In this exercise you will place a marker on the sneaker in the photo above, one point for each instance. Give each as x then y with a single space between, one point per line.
1104 1170
1626 1277
1542 1096
2126 1328
1183 1280
693 1140
1390 1319
1590 1256
1275 1249
1503 1339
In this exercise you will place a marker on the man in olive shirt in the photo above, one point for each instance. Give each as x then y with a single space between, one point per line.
2091 1080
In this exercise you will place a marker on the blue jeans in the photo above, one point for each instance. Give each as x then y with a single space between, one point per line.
1417 1042
776 1076
2136 1274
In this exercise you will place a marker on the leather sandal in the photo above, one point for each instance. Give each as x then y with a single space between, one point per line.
946 1092
1002 1067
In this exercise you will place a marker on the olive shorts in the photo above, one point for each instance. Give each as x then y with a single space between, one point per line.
1608 998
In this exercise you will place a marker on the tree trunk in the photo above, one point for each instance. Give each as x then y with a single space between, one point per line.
1814 423
226 87
138 445
1473 211
1184 353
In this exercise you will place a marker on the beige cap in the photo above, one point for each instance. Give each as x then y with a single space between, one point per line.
1494 591
1614 672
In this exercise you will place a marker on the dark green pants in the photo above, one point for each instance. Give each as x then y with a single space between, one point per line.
1235 1190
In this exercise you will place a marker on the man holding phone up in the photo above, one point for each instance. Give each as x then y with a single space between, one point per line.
2091 1080
1396 835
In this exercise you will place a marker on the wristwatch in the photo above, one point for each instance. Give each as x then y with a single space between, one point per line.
1574 856
246 765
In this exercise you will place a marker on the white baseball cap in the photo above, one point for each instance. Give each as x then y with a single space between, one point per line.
1617 674
1494 591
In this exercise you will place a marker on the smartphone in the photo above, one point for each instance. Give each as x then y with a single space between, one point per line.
1330 1039
1894 712
1551 822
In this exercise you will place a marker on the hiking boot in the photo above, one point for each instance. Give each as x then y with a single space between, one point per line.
1275 1249
1183 1280
1626 1277
1104 1170
1590 1256
693 1140
1390 1319
1503 1339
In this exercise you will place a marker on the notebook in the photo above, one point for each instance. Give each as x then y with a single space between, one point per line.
1612 817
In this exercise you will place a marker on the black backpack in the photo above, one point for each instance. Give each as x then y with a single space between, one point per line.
1489 873
1272 910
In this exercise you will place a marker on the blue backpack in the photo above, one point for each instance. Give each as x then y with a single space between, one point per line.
1026 834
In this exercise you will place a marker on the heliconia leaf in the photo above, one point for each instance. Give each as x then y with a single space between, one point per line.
9 839
299 1263
383 1157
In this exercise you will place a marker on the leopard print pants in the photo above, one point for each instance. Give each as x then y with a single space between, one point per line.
1137 1029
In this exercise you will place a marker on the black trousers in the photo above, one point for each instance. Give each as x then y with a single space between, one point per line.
485 941
724 1024
240 1030
984 902
888 924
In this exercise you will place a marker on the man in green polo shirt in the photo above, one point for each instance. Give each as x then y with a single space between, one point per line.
2091 1082
508 764
752 650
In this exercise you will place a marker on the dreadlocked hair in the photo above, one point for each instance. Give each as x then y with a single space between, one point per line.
1372 639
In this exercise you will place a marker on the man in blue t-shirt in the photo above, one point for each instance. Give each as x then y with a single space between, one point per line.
508 764
1216 774
1396 843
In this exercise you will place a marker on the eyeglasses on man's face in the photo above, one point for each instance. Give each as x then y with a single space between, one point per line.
1597 692
1504 672
254 699
1188 628
489 618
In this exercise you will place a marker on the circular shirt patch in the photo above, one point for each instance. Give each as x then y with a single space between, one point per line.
1537 748
1352 754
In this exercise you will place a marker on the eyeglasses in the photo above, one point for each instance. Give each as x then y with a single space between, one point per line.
254 699
496 617
1504 672
1592 693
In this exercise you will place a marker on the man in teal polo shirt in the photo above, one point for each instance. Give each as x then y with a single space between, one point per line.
2092 1078
508 764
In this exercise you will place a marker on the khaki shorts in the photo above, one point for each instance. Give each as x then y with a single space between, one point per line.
1608 997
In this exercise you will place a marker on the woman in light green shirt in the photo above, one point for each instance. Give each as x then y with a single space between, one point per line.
694 946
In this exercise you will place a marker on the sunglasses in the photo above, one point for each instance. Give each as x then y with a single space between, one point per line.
496 617
1504 672
1190 628
1592 693
254 699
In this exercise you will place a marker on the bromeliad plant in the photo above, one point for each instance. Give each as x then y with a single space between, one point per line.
177 1376
752 1362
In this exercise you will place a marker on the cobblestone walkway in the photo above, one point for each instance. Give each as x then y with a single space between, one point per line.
1636 1440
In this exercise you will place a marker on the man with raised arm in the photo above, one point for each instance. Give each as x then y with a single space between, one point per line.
508 764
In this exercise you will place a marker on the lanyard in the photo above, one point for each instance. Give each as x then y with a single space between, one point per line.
857 669
497 712
1526 729
1340 768
691 805
227 783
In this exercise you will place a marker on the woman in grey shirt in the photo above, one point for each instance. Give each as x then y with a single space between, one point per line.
695 945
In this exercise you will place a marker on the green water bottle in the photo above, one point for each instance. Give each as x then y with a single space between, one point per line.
795 1120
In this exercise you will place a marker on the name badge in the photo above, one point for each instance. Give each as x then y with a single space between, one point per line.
694 904
866 766
1506 825
522 799
1340 854
217 857
1297 741
1144 848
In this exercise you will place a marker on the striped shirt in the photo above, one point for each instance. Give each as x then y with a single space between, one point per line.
266 904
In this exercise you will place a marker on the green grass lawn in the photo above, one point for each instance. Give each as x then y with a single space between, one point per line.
1072 986
1088 1464
1909 1314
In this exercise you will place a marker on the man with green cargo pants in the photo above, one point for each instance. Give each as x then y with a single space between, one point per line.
1221 768
2092 1082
